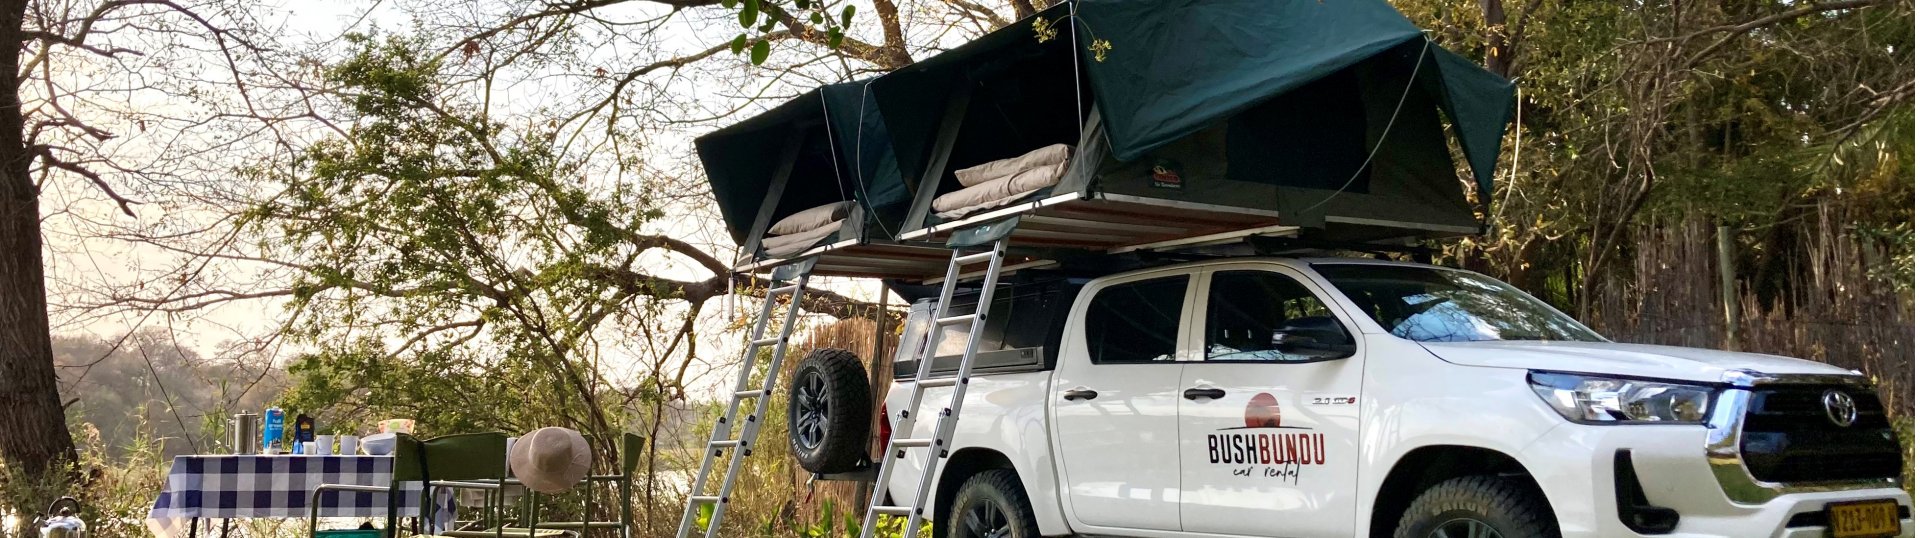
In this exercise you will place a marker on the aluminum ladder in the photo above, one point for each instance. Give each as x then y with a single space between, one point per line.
797 273
924 379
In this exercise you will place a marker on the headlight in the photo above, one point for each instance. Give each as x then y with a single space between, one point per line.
1591 399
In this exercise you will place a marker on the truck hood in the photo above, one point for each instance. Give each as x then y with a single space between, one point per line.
1639 360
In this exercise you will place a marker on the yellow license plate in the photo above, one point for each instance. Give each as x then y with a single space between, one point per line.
1864 519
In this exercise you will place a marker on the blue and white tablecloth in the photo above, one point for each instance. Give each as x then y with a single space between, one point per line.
261 486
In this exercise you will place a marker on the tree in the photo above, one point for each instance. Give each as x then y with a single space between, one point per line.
442 245
33 432
1641 115
76 62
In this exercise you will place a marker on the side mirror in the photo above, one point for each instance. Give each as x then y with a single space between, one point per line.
1318 336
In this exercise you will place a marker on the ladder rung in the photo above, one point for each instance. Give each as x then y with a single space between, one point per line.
893 510
913 443
706 499
783 289
941 382
955 320
974 258
724 444
755 393
771 340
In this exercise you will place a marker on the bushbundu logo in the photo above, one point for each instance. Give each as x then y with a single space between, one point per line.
1244 447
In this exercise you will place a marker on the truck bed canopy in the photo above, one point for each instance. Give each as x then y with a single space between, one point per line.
826 146
1217 119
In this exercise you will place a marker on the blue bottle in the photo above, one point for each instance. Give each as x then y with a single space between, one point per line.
273 431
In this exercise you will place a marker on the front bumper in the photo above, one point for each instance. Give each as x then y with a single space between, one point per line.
1574 465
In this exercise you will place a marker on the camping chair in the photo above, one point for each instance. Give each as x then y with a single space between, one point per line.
630 447
464 461
406 468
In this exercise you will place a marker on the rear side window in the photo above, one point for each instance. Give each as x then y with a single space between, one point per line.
1136 321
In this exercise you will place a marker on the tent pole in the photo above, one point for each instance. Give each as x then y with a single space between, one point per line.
937 162
787 156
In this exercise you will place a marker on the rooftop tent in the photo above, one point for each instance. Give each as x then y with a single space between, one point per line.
1221 117
810 155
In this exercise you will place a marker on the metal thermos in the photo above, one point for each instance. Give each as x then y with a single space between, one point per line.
246 433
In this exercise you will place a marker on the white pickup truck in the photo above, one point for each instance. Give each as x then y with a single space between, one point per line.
1345 397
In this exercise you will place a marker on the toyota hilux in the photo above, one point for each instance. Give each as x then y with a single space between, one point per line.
1351 397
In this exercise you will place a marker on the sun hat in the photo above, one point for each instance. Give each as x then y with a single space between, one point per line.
550 460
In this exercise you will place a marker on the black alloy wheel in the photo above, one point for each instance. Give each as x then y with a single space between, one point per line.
829 410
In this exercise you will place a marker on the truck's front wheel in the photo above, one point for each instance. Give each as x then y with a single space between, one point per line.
1478 507
992 505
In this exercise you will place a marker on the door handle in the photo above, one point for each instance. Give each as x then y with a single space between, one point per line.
1079 393
1209 393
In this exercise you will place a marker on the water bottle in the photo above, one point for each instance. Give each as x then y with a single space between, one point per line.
273 431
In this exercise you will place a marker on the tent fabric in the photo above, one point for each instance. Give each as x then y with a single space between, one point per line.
1177 68
843 152
866 151
915 98
1274 105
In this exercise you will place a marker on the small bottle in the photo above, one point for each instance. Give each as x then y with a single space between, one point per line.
273 431
302 433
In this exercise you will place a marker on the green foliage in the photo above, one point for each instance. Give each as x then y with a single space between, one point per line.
749 12
116 489
760 49
449 262
802 17
1649 114
849 524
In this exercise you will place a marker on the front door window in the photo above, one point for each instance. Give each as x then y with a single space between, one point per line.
1267 316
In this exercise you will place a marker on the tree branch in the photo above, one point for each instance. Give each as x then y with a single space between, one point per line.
1734 31
46 154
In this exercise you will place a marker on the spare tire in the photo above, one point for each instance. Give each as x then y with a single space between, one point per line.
828 411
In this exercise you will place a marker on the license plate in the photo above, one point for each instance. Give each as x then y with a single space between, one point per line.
1864 519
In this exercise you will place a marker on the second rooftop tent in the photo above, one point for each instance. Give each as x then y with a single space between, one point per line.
1119 125
815 177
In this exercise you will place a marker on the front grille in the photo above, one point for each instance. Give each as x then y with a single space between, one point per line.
1788 437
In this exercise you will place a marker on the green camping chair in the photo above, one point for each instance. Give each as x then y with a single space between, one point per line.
464 461
631 446
406 468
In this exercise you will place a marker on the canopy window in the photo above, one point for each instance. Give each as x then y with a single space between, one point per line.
815 177
1222 119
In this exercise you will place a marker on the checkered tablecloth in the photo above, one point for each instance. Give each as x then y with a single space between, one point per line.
224 487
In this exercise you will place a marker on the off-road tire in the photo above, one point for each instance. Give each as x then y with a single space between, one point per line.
1512 507
999 491
829 409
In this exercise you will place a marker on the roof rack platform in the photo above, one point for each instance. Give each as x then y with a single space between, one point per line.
1116 223
865 259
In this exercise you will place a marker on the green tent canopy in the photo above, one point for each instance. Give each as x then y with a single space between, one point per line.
1317 114
1173 70
825 146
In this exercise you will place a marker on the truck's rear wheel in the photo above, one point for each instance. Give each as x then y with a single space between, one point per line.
828 411
1478 507
992 505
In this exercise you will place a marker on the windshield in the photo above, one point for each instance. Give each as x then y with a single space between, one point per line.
1439 305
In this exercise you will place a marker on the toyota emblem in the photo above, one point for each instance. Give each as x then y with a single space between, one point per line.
1840 408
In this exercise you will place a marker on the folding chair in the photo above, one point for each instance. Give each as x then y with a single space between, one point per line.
631 446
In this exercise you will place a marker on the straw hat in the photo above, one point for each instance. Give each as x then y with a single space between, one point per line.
550 460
